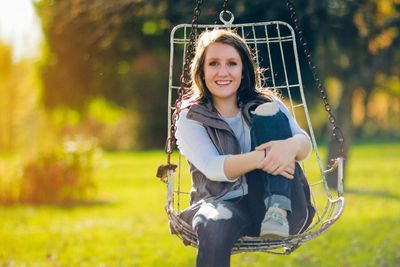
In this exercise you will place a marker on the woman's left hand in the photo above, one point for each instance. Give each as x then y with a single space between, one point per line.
280 156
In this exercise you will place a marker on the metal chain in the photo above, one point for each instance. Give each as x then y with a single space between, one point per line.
184 80
225 6
336 131
224 11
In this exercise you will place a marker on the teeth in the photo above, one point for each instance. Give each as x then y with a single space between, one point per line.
222 82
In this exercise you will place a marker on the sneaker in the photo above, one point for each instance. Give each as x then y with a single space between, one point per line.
275 224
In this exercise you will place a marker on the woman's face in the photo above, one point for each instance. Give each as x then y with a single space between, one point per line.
222 71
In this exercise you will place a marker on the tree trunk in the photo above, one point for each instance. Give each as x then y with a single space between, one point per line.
344 122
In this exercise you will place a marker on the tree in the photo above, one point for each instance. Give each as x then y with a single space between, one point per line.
118 49
94 50
359 47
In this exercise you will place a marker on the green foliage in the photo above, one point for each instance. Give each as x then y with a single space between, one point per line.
130 227
151 99
110 125
96 49
101 110
92 45
119 50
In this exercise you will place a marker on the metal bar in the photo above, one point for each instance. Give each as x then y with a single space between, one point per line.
340 176
170 77
269 57
285 72
256 49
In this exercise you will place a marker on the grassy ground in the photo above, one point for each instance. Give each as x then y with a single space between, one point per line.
128 227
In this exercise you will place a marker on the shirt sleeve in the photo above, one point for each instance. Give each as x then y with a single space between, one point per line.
195 144
294 125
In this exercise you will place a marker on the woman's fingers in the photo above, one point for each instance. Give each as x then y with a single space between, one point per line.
264 146
290 168
287 175
275 168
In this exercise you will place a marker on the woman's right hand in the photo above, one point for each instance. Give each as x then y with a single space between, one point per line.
280 157
288 172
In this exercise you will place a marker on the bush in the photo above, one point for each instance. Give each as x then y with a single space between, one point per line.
10 177
61 176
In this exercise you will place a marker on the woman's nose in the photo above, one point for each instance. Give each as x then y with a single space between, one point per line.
223 71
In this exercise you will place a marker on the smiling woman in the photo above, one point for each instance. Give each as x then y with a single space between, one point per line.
20 27
241 172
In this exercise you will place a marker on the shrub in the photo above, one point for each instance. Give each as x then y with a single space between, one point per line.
10 178
61 176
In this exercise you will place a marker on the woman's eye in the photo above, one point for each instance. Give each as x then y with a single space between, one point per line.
232 63
212 63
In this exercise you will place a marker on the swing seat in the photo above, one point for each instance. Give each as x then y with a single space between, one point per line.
274 47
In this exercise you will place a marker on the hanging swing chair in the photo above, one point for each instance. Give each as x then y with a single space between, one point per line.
274 45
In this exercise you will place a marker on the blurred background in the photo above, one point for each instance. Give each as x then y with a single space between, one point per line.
83 108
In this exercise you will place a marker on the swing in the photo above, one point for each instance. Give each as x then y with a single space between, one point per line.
274 45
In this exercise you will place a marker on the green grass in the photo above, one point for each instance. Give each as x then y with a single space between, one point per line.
128 227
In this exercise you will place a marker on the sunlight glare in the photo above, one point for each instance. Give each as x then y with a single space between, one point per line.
20 27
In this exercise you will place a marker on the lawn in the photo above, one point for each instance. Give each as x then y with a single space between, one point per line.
127 225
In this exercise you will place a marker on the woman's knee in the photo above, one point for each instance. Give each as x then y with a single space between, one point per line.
214 211
218 224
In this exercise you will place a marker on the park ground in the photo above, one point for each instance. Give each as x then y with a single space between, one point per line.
127 226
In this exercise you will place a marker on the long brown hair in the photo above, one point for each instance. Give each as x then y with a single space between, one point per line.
249 88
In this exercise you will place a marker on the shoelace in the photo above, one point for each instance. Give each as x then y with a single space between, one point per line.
276 216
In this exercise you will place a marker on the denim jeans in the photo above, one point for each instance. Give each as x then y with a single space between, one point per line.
219 224
265 129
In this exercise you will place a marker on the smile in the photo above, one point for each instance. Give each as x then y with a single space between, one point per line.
223 82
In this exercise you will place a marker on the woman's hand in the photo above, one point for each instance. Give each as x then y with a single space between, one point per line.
280 157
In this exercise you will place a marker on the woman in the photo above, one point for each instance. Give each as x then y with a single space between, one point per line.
214 133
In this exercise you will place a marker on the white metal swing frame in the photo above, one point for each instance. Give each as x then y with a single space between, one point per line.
265 38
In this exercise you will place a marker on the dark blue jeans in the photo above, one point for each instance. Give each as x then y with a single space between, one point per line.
219 225
265 129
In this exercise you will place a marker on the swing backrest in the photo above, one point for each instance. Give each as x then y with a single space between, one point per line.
275 51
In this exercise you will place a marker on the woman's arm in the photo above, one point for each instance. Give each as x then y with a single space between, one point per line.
195 144
236 165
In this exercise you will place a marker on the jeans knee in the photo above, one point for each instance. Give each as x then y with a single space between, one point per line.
215 225
215 236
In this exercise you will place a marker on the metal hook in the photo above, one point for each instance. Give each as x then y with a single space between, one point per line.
227 23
